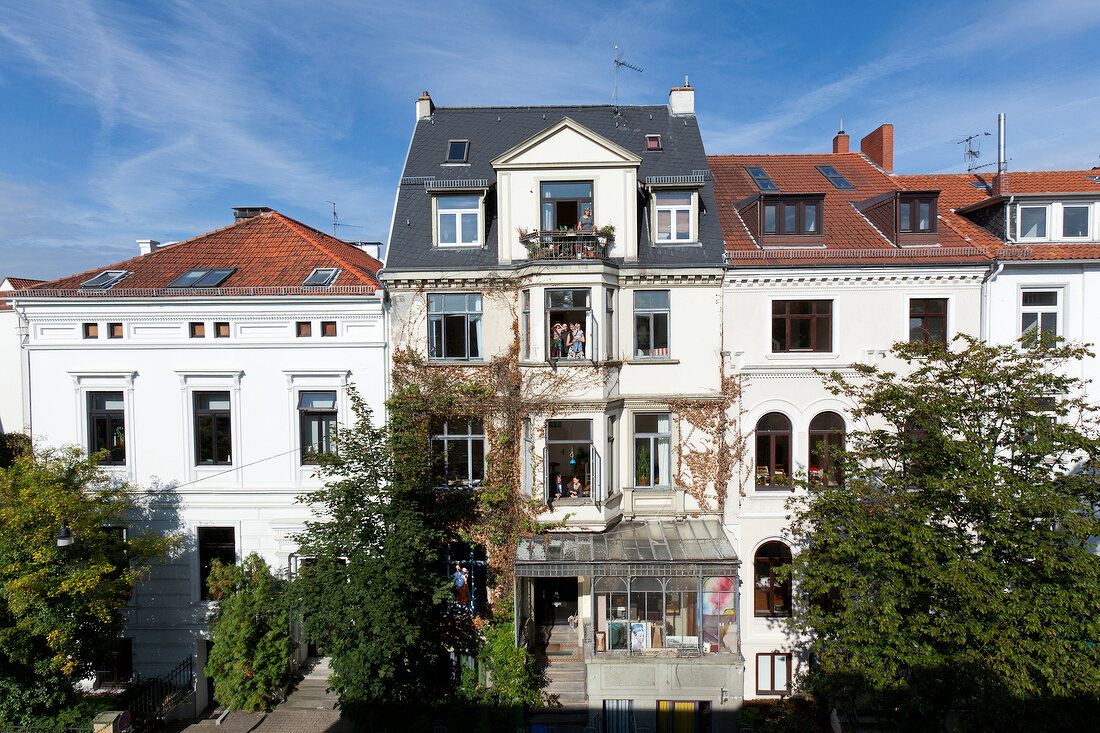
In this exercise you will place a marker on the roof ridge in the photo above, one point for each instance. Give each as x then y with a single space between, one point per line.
294 225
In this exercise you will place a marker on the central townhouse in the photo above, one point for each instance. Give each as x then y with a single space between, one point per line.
830 260
210 372
582 244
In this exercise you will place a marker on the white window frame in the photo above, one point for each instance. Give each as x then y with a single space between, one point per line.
198 380
479 210
1058 309
311 380
471 316
460 430
692 209
650 313
1019 222
654 441
88 381
1089 212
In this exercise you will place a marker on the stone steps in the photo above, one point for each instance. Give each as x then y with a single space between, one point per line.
311 692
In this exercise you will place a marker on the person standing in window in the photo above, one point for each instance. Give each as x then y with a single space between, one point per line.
462 585
585 224
576 346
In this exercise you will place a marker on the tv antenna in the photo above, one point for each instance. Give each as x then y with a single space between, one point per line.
973 151
336 221
617 62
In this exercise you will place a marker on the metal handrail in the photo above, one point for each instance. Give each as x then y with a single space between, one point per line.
566 245
164 693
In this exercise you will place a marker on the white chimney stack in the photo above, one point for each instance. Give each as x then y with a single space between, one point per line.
681 100
424 107
145 246
1002 163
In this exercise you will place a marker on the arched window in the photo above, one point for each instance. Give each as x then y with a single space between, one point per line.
772 597
826 442
773 452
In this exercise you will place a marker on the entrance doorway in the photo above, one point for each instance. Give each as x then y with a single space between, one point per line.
555 602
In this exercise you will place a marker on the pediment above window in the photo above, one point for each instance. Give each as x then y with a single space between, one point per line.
566 144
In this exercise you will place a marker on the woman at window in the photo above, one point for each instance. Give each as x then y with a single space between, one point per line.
576 345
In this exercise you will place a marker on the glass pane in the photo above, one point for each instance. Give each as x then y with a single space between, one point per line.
477 456
683 225
214 401
474 302
642 333
1049 324
769 219
782 458
1033 222
763 672
222 448
790 218
936 327
643 462
435 303
101 438
774 421
824 334
779 681
1075 221
903 217
577 190
454 337
454 203
660 464
650 299
801 307
660 334
800 333
317 401
1028 323
811 219
645 423
763 459
569 430
475 336
1043 297
779 333
916 329
454 303
448 233
664 225
107 401
456 150
925 221
674 198
458 466
205 438
469 228
827 421
435 337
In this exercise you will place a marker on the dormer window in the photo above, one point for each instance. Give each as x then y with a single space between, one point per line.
202 278
917 214
792 216
458 151
653 143
1033 222
321 277
458 220
1075 221
674 211
104 280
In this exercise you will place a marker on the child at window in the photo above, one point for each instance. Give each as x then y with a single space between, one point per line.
576 349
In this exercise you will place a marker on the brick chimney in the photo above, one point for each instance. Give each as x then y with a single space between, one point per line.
243 213
840 142
681 100
424 107
1001 184
879 147
145 246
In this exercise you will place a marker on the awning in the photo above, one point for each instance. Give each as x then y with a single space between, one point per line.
657 548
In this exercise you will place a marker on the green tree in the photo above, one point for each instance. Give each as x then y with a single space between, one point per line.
251 634
954 570
372 593
60 607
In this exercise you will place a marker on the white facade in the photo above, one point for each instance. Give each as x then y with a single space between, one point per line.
870 312
159 368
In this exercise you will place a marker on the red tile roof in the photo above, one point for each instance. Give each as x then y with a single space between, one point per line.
848 235
958 192
271 252
18 283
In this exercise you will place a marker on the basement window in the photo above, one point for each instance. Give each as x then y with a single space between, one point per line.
104 280
202 278
458 151
321 277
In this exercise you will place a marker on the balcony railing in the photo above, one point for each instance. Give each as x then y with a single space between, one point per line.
567 245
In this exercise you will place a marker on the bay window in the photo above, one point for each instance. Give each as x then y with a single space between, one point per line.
652 449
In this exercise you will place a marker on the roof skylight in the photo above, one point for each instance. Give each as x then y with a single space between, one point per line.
321 277
104 280
982 185
762 180
1093 178
457 151
834 177
653 142
202 278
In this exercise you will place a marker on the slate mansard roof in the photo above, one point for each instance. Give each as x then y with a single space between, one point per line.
495 130
270 254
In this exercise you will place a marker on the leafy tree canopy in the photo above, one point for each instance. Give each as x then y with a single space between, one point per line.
954 570
251 634
60 607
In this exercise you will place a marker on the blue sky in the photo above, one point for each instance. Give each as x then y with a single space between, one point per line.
125 121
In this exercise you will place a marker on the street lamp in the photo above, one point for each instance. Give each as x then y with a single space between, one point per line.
64 537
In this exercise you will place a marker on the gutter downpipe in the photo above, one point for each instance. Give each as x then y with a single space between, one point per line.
995 269
24 365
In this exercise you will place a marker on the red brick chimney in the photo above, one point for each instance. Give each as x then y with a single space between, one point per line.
879 147
1001 185
840 142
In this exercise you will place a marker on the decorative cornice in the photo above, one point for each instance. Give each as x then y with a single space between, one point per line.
802 280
